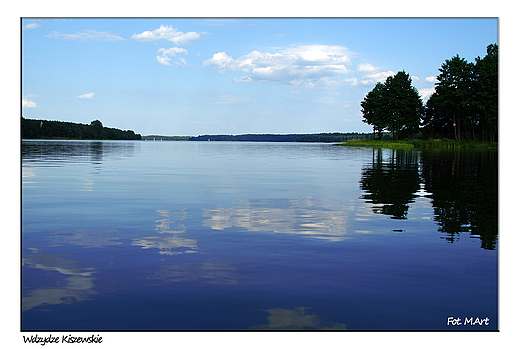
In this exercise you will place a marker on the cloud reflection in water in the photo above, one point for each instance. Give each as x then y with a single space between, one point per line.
78 283
89 238
167 245
308 216
170 244
297 318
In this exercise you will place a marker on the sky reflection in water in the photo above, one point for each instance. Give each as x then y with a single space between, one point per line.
187 235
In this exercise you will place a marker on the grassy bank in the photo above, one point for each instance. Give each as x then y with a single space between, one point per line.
416 143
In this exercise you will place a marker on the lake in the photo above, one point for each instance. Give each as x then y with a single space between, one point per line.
143 235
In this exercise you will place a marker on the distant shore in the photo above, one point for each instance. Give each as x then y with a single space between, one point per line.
416 143
297 137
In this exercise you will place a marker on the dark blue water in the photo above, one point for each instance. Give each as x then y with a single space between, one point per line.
249 236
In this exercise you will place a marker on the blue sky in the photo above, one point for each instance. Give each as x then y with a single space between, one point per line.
185 76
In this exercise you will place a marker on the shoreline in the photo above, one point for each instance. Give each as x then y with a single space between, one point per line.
415 143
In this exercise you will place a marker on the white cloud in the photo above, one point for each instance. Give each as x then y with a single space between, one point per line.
367 68
165 59
87 95
431 79
376 77
182 62
32 26
221 61
166 33
425 93
372 75
303 65
28 103
352 81
86 34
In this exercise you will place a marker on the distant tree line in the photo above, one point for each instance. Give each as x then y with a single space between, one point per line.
464 105
44 129
319 137
165 138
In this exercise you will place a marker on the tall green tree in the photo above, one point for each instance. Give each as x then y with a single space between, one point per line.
438 121
394 106
465 102
454 92
486 93
404 105
372 108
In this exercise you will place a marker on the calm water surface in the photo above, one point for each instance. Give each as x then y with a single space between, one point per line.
231 236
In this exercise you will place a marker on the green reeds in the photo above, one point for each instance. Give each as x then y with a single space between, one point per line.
417 143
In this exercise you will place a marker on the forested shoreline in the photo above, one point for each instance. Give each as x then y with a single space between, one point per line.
463 107
45 129
318 137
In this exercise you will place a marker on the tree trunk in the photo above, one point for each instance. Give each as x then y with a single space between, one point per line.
458 126
455 125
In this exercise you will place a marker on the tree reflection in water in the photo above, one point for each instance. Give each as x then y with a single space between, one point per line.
462 186
464 193
391 182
